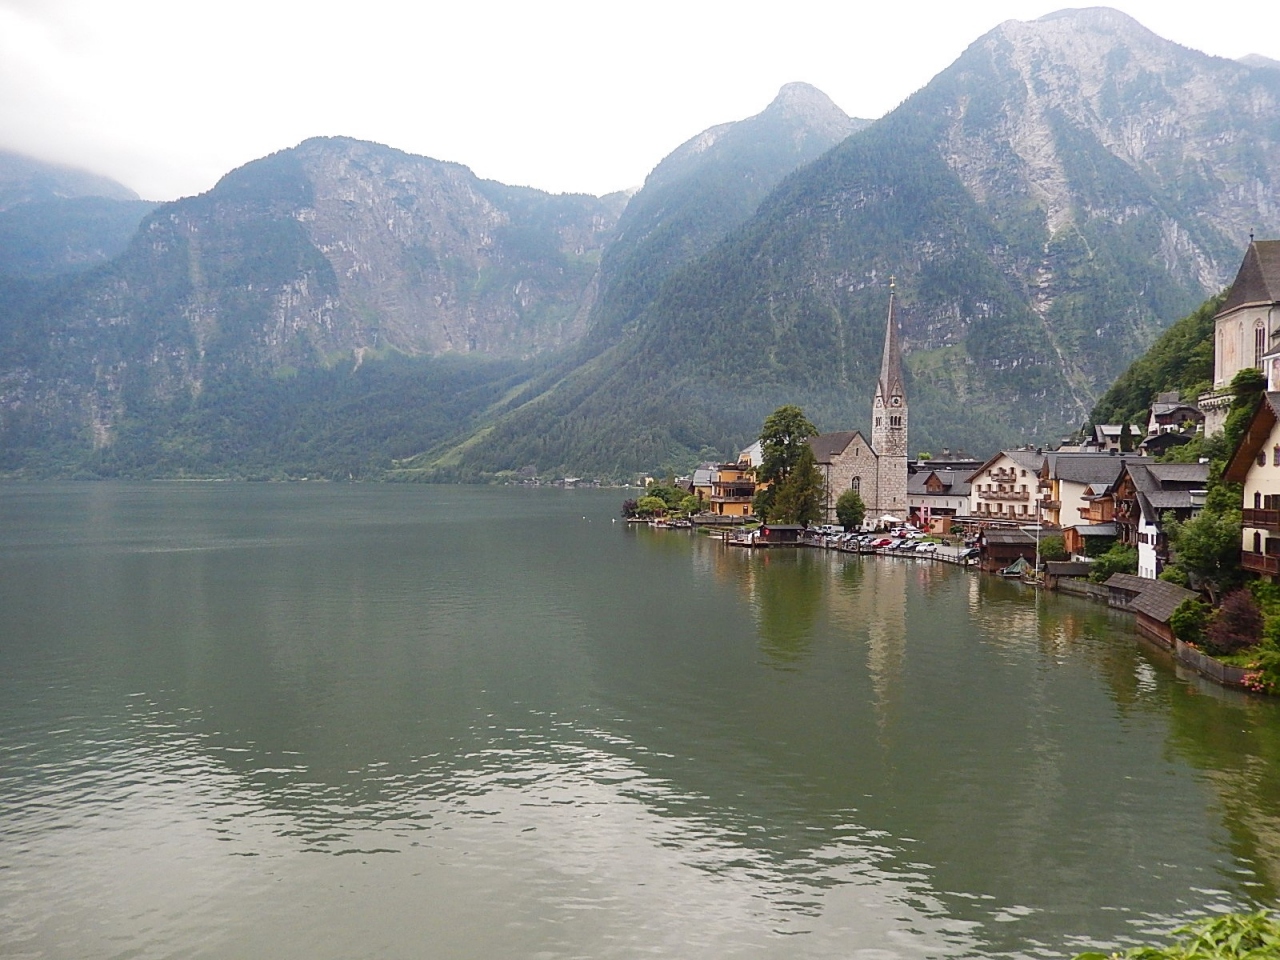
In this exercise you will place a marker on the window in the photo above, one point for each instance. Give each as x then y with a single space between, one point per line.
1257 501
1275 455
895 420
856 484
1259 344
877 421
1257 542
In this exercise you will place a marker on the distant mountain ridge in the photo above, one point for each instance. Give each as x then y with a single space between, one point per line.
1048 203
56 219
25 179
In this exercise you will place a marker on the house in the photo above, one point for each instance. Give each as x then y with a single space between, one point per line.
732 489
1068 480
1170 414
1245 329
780 535
1255 463
1144 494
937 494
1003 488
702 482
1089 539
1112 436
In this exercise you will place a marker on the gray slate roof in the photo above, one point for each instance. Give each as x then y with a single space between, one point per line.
1160 599
1166 486
827 446
1067 568
1096 529
1127 581
1258 280
1092 468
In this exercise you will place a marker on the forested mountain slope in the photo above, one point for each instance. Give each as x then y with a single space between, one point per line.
322 257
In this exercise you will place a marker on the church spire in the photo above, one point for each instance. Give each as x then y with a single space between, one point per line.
891 383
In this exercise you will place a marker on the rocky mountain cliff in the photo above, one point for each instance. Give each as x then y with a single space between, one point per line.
1049 202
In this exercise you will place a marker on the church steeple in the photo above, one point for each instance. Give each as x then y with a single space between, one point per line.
889 422
890 384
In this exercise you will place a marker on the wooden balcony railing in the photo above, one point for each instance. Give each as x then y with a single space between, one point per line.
1003 495
1261 519
1260 563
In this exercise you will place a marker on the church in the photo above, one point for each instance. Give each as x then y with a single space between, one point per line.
877 470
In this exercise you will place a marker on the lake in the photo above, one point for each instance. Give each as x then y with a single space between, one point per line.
333 721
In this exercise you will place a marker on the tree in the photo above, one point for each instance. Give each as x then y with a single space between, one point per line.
1053 547
1119 559
1248 387
850 510
800 495
784 435
1236 626
1207 546
651 507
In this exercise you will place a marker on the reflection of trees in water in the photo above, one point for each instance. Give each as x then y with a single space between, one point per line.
788 588
1235 739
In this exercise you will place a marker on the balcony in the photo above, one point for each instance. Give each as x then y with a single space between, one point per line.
1268 520
1260 563
1003 495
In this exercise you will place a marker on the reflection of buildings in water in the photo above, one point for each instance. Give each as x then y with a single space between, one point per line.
870 596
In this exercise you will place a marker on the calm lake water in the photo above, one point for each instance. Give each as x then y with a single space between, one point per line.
338 721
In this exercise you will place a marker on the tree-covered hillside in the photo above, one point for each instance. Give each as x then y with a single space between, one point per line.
1181 359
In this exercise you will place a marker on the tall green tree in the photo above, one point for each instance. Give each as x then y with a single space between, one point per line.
1207 547
783 438
799 497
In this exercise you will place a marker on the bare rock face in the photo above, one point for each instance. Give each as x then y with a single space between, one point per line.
428 259
1195 134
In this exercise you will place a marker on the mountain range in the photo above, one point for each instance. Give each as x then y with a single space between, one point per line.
1047 204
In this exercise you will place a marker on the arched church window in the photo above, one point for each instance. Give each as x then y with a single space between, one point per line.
856 485
1259 343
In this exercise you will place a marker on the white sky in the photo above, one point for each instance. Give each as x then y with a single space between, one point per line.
566 95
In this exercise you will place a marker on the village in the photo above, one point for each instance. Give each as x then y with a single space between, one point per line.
1095 517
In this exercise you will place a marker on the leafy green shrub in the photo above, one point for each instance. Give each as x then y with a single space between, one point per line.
850 510
1189 621
1231 936
1119 559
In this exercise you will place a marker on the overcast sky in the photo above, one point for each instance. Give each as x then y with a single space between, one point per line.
168 95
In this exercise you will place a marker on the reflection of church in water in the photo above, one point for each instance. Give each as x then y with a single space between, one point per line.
877 470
